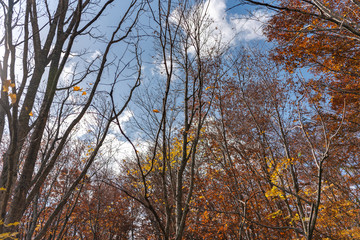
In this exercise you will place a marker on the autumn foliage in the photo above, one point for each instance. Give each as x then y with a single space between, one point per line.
224 142
322 36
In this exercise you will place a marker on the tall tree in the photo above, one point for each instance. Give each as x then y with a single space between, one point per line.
323 36
165 176
269 153
39 107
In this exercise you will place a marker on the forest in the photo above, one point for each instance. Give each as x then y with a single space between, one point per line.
180 119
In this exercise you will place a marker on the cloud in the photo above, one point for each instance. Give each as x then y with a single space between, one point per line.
95 55
160 67
119 151
124 118
220 28
67 74
250 27
235 27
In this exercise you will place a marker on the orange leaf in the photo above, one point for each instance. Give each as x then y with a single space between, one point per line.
6 85
156 111
13 97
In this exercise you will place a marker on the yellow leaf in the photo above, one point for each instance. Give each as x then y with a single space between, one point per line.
6 85
13 224
77 88
12 85
2 189
84 93
156 111
274 214
30 114
13 97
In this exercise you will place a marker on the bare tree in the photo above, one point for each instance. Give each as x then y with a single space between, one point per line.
38 38
163 180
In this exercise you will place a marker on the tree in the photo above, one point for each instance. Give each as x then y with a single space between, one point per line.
322 36
41 105
270 154
163 178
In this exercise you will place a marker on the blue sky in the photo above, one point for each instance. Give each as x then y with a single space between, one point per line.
240 25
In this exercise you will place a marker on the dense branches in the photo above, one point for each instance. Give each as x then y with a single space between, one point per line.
220 141
35 103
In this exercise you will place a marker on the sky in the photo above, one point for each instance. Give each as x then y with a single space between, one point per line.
236 26
239 26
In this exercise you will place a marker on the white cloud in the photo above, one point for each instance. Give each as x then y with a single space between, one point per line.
160 67
124 118
95 55
67 74
221 29
234 27
250 27
117 151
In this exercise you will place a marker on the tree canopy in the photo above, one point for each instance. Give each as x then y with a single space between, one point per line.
179 119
